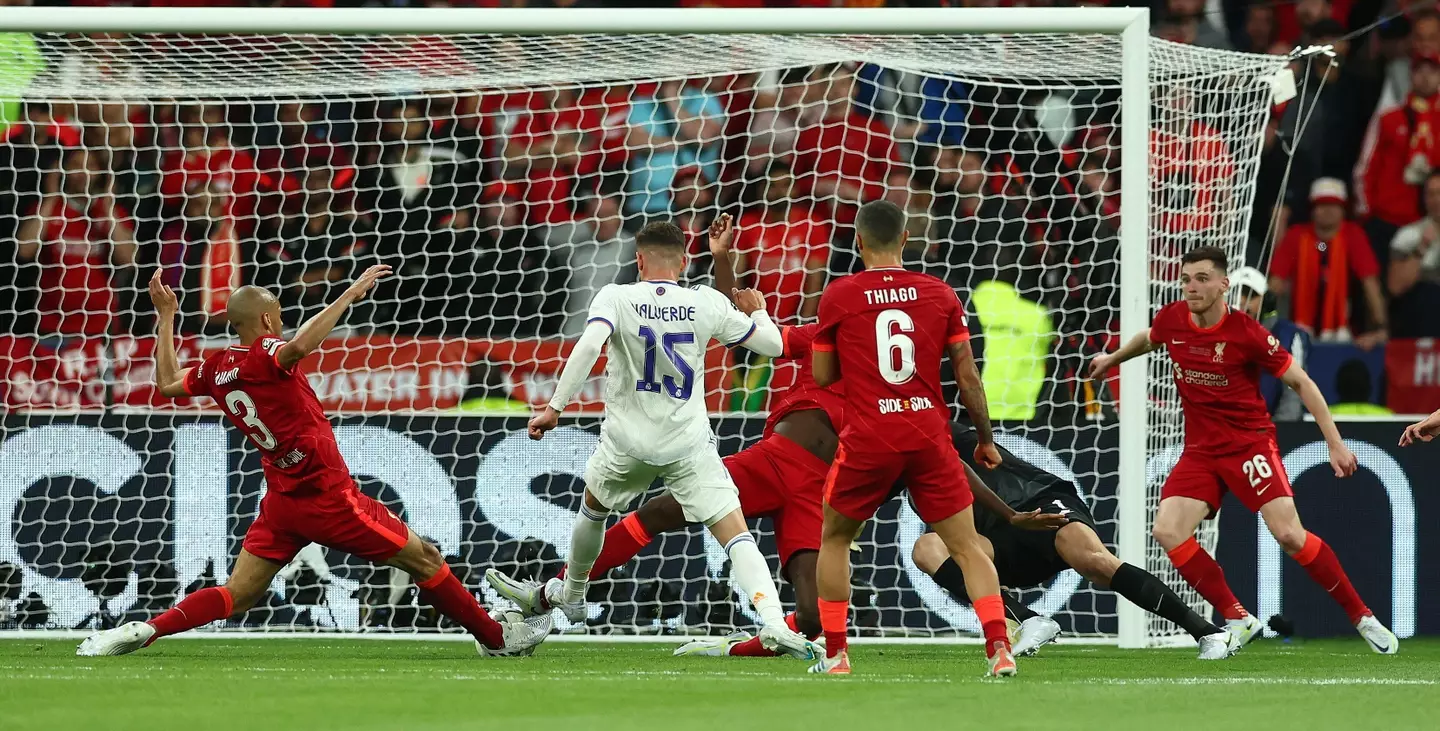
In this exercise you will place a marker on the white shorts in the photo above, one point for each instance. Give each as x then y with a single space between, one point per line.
700 482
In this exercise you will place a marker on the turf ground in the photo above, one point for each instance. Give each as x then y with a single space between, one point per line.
315 684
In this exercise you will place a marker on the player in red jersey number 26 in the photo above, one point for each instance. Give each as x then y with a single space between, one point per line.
885 331
1217 355
311 498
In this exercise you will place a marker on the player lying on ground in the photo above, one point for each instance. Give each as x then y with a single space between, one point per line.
311 496
885 331
1230 443
1031 557
656 426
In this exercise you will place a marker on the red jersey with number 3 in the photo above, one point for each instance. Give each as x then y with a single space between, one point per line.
890 330
1217 372
277 410
804 394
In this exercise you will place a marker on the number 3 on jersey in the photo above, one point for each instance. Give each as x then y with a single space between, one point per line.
668 341
894 350
242 407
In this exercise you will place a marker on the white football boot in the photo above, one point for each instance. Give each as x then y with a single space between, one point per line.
709 647
1380 639
1218 646
1244 630
782 640
837 665
522 634
121 640
1035 632
534 598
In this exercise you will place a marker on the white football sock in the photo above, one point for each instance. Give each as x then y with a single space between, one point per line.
587 537
752 574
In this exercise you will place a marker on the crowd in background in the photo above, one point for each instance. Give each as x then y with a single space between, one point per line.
504 211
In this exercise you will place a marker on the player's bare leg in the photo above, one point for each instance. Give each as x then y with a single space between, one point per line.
248 582
752 574
968 548
1027 629
1078 546
439 588
1174 530
832 583
1320 562
800 572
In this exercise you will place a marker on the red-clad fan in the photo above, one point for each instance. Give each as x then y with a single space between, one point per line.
1218 357
311 498
885 331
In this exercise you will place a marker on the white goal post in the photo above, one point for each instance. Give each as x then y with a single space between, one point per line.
1057 103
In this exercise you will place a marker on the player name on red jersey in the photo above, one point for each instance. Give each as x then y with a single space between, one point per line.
891 296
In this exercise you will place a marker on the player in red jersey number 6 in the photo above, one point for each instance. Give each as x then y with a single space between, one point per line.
1217 354
885 331
311 498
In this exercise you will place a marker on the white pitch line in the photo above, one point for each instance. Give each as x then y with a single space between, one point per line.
1243 681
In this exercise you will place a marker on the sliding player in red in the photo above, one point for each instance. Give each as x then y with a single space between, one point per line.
311 496
1230 443
885 331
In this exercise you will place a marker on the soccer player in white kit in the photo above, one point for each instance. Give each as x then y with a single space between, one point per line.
656 426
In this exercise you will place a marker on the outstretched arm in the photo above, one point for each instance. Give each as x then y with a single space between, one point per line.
316 329
1138 345
169 379
764 337
722 233
1342 460
987 499
1423 430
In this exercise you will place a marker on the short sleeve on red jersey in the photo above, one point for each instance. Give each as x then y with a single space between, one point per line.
196 384
957 328
798 340
1163 326
1265 348
831 311
265 353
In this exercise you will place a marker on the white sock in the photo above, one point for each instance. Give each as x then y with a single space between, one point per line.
753 575
587 537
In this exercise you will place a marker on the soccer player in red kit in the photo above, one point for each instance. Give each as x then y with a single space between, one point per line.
1218 355
311 496
885 331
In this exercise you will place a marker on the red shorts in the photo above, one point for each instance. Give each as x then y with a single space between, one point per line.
860 482
342 518
1256 475
779 479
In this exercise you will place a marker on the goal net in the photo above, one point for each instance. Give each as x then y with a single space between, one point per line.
503 176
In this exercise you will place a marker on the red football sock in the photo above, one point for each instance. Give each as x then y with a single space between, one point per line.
1324 568
834 619
445 592
622 541
991 611
196 610
752 646
1200 571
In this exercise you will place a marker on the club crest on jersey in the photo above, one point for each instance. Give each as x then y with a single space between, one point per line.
1273 343
1219 353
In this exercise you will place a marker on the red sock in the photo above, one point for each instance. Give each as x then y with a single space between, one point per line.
991 611
196 610
622 541
752 646
1324 568
1200 571
445 592
834 619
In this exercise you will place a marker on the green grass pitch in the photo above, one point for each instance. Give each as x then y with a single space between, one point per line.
314 684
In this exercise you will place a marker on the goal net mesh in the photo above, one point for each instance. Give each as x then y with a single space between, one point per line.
503 177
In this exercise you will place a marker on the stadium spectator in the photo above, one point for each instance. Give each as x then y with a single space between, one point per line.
1294 21
1018 334
846 158
779 111
1414 272
1260 34
1282 402
513 294
969 219
1399 153
1423 40
205 159
1353 387
692 201
600 255
1315 265
301 136
1193 167
84 244
200 252
1185 21
674 126
783 250
549 148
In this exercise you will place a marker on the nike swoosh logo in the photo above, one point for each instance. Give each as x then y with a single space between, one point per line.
1380 647
1262 490
1179 342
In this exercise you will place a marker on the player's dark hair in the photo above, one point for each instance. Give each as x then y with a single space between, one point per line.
663 236
881 224
1213 254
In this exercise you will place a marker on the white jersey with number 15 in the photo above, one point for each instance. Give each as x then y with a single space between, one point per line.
655 370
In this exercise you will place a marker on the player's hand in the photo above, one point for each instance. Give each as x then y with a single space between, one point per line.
1423 430
722 232
543 421
1036 520
987 456
1342 460
1100 366
367 280
748 301
166 303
